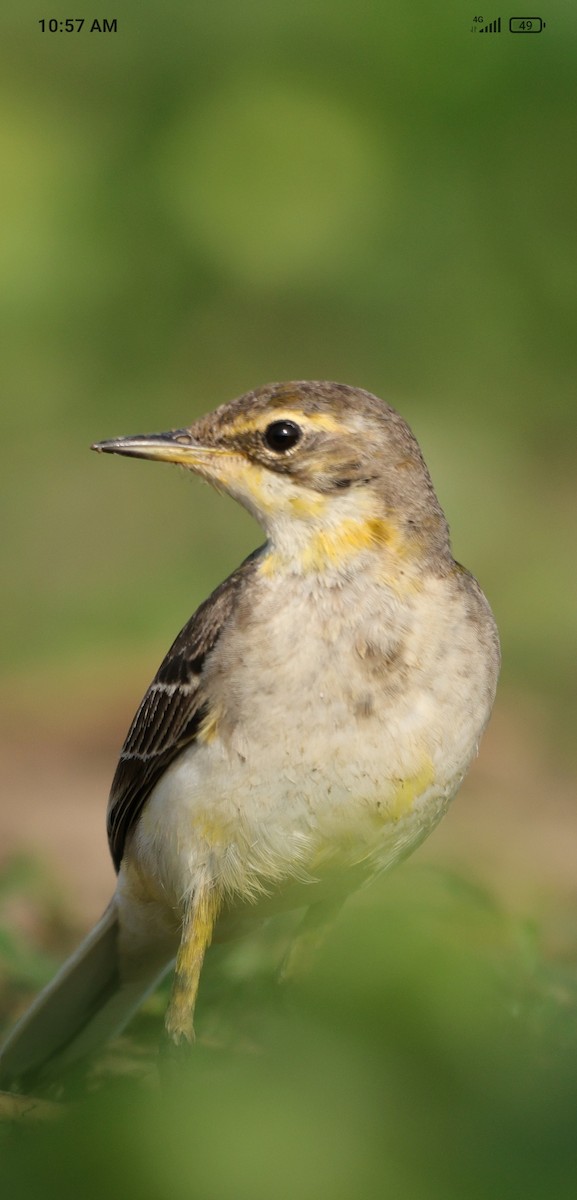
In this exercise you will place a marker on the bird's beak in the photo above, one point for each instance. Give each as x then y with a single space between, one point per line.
176 446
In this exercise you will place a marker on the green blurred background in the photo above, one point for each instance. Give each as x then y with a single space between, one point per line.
221 194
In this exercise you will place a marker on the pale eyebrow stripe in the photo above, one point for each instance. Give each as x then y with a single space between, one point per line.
312 420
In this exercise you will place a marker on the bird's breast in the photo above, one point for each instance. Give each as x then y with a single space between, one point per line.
339 723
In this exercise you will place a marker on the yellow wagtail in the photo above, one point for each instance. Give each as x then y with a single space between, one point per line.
308 726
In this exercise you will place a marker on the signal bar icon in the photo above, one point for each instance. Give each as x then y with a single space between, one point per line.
494 27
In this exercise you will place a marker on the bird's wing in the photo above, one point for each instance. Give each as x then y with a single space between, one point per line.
171 712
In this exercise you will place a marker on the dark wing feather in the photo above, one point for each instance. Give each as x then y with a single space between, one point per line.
171 711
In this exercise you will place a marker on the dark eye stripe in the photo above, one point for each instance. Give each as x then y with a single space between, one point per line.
281 436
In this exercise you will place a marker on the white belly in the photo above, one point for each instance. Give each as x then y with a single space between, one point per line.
338 738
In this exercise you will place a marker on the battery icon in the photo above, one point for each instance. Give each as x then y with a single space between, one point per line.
526 24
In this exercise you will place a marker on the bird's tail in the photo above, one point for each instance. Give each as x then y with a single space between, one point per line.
86 1003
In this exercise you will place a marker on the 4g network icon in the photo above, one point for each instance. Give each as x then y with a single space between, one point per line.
516 25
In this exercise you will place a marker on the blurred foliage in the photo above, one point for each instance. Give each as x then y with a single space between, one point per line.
218 195
432 1052
35 931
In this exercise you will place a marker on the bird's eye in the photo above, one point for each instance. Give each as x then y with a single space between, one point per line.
281 436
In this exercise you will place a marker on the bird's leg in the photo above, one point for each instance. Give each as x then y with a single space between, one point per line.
197 928
308 939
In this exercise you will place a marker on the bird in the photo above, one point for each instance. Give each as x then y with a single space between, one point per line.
308 726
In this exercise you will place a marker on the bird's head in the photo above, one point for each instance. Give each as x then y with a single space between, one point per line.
325 468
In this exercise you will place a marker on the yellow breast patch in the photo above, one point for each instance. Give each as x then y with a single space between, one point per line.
408 790
334 545
209 727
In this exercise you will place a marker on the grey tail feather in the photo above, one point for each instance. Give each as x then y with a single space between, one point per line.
86 1003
